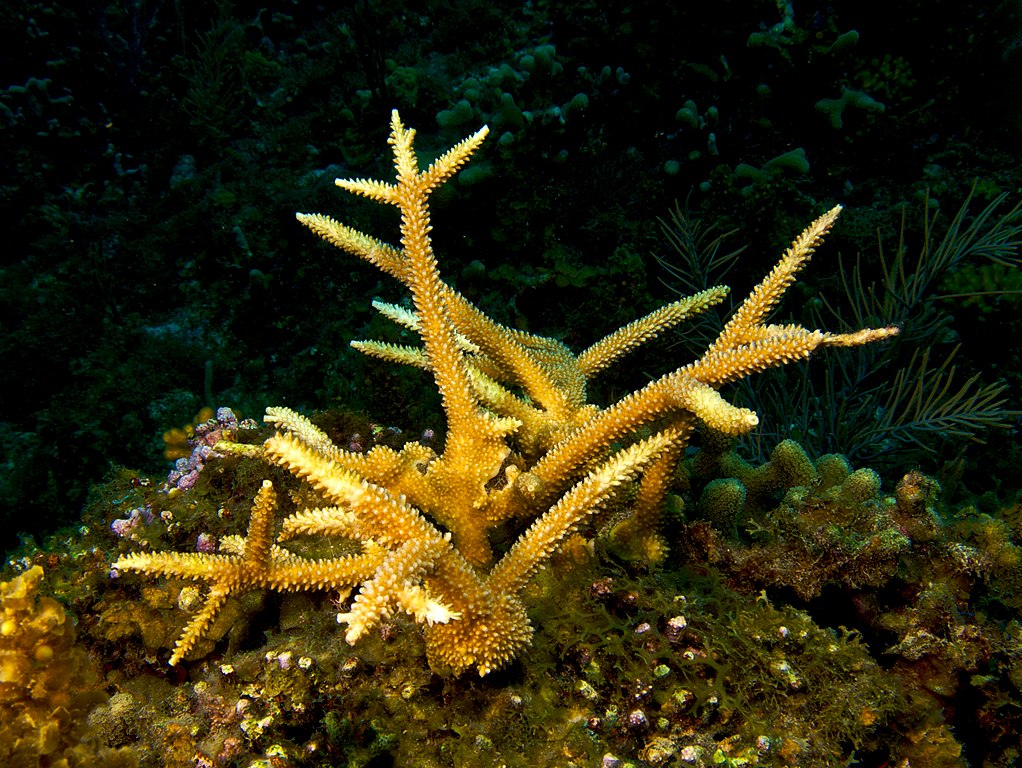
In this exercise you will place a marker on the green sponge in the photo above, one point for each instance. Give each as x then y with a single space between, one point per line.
457 115
834 108
721 504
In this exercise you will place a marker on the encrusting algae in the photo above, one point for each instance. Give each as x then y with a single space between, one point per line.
522 444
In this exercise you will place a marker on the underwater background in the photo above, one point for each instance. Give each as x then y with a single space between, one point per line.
843 585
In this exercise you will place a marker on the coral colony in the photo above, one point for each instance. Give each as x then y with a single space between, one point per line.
522 445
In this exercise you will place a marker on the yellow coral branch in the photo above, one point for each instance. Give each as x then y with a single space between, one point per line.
522 444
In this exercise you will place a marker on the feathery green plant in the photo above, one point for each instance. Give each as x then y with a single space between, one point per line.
879 404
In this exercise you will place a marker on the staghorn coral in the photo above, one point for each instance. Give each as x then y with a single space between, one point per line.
523 447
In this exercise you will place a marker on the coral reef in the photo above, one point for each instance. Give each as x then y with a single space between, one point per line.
797 638
739 603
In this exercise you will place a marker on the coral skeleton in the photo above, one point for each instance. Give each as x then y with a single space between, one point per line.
523 447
